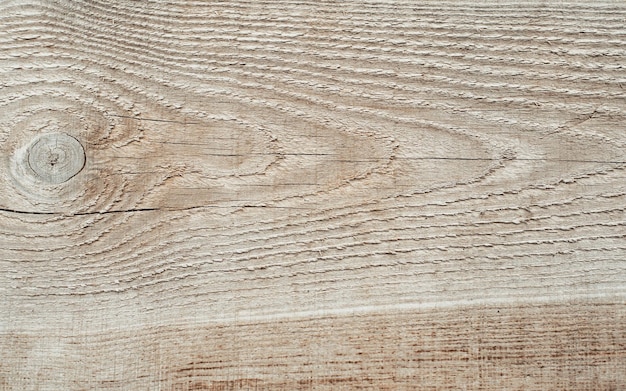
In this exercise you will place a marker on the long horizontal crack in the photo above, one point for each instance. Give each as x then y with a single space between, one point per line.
154 119
139 210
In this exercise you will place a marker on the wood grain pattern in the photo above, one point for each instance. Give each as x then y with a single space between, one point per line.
312 195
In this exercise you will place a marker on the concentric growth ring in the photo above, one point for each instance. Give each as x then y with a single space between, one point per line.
56 157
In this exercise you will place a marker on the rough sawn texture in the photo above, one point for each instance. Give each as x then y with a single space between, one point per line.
252 195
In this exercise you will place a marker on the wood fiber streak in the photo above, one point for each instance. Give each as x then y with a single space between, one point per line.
261 195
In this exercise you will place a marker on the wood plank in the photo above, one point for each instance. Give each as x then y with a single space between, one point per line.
239 195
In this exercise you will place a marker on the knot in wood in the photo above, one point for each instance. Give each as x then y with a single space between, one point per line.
56 157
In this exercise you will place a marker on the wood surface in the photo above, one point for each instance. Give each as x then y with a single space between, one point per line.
312 195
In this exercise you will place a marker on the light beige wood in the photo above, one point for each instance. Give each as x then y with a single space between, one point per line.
381 195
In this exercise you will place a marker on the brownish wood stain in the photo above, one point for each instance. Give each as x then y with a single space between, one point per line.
519 347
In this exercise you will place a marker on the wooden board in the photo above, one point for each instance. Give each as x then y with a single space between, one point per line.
288 195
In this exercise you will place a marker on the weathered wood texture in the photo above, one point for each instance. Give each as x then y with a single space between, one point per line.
301 195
